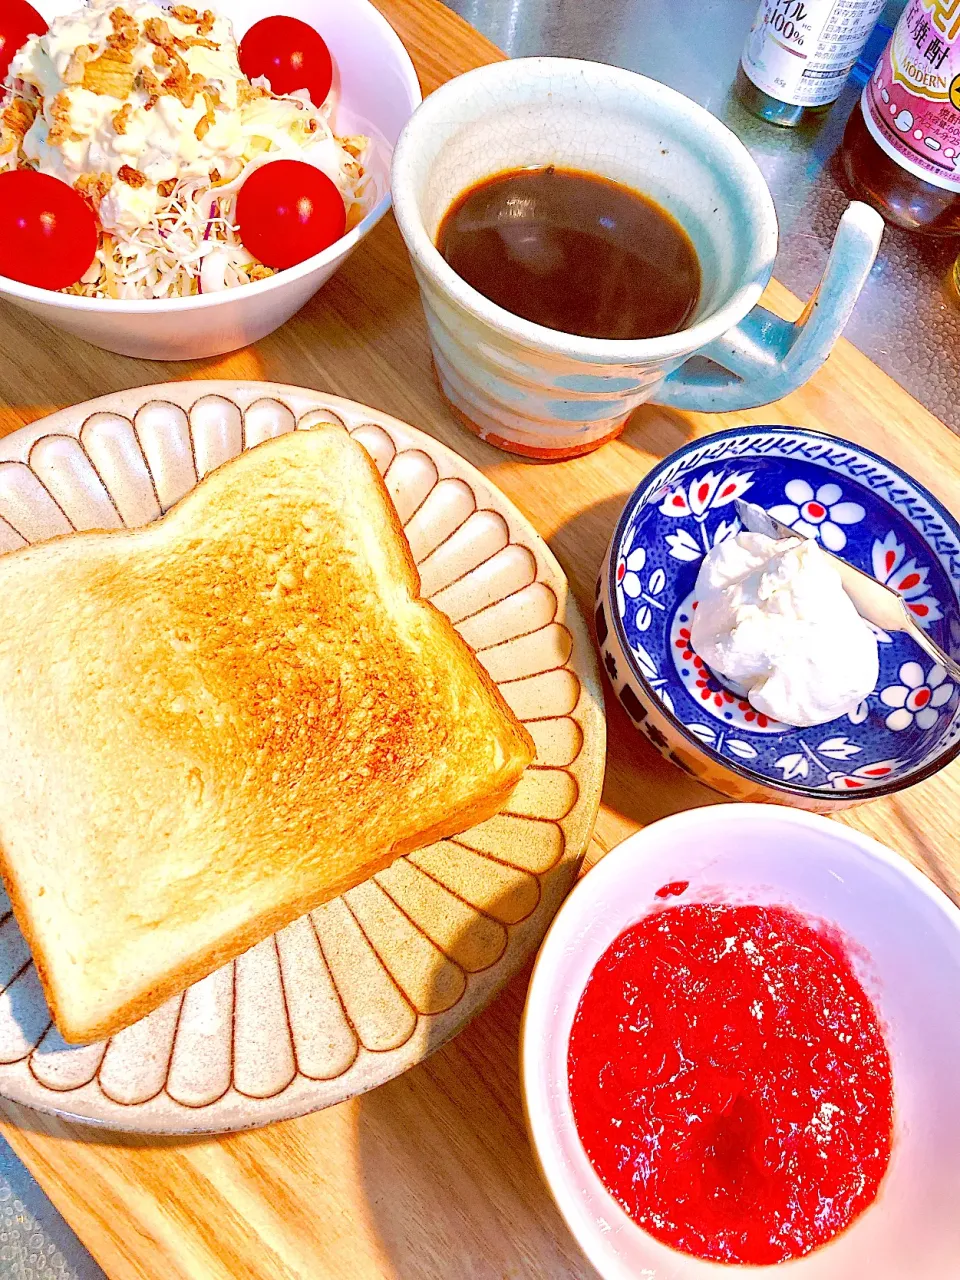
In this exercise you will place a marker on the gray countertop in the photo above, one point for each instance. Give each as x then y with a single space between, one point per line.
35 1241
908 317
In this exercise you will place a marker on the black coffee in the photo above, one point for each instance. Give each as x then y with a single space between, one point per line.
574 252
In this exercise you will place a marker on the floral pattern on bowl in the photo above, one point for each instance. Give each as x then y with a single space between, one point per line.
858 506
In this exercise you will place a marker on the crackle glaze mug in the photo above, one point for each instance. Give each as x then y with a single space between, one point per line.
546 394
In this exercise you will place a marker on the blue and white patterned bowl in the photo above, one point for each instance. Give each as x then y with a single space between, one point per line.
858 506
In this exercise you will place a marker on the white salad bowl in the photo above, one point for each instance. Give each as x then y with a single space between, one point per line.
904 937
377 91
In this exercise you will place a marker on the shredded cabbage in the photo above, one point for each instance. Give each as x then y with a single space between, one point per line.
191 245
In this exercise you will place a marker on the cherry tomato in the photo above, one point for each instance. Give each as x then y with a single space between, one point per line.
18 22
290 54
288 211
48 234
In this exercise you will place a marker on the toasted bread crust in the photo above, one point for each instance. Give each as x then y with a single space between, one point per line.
262 927
286 718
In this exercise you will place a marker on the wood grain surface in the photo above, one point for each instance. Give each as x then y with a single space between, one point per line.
430 1176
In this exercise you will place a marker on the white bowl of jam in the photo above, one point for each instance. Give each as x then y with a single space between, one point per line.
740 1049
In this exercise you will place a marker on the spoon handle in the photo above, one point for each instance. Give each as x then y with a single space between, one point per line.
930 647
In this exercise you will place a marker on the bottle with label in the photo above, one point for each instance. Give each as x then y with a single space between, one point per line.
901 148
799 53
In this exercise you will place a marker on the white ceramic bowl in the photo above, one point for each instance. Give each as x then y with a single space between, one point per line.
377 92
906 943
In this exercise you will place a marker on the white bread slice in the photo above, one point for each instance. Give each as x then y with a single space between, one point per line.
213 724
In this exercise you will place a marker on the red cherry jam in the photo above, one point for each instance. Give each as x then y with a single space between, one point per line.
730 1082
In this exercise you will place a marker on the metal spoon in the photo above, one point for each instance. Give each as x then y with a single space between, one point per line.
873 601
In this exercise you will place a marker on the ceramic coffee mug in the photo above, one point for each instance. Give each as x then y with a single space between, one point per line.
546 394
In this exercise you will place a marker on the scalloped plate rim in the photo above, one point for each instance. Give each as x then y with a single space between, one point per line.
233 1112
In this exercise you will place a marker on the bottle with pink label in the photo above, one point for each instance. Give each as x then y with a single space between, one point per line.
901 148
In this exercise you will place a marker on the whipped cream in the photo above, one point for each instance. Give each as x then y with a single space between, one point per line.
774 620
76 133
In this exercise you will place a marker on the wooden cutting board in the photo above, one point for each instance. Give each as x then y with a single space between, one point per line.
430 1176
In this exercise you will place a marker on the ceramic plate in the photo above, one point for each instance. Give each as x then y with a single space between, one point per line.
369 984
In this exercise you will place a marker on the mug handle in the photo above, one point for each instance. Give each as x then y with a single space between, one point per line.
763 357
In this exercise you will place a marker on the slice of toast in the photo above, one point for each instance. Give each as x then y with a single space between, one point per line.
213 724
